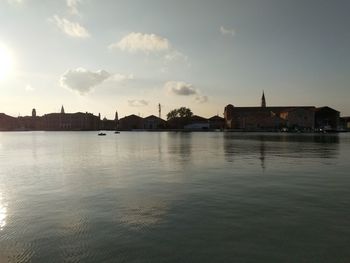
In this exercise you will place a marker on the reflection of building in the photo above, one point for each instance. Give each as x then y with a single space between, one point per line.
265 118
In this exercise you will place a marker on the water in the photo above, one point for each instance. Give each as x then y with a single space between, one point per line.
174 197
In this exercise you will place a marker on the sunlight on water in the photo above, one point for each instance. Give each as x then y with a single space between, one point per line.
138 197
3 213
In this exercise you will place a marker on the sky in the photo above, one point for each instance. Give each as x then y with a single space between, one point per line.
128 56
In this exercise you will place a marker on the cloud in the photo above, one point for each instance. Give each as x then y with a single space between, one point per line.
139 42
201 99
227 31
175 55
70 28
15 2
73 6
29 88
82 80
180 88
137 103
121 77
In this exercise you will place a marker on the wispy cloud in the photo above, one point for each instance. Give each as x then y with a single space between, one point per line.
29 88
175 55
72 29
139 42
148 44
137 103
180 88
121 77
73 6
201 99
15 2
227 31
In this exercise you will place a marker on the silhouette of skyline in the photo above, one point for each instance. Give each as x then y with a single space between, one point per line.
135 55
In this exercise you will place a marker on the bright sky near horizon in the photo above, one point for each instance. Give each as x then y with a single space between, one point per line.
103 56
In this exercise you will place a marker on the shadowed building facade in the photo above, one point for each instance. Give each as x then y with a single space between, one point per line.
265 118
153 122
327 118
131 122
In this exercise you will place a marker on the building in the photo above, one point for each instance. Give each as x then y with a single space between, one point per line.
327 118
8 123
266 118
216 122
51 122
153 122
299 118
70 121
346 123
131 122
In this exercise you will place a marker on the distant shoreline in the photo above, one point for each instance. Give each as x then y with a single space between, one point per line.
190 130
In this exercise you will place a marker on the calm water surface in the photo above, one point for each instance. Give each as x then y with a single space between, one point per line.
174 197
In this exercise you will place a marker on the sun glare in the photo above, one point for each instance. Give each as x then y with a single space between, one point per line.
6 61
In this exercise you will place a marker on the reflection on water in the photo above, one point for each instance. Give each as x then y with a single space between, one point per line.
143 213
181 146
267 146
137 196
3 212
262 154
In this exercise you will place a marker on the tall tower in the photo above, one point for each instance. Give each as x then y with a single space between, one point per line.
62 110
160 111
116 119
263 100
33 113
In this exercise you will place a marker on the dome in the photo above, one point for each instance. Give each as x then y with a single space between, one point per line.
229 107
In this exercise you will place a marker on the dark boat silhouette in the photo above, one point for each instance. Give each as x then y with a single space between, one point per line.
101 134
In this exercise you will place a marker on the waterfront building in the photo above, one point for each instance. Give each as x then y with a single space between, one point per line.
216 122
108 125
70 121
131 122
153 122
327 118
345 123
8 123
266 118
197 123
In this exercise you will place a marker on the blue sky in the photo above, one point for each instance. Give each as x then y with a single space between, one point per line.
103 56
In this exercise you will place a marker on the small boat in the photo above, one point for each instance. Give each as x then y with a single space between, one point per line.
101 134
117 132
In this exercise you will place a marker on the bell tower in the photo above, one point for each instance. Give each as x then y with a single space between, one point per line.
263 100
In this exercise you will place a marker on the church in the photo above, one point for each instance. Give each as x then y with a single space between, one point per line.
264 118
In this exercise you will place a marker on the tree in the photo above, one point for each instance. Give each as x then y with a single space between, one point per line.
172 114
182 112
